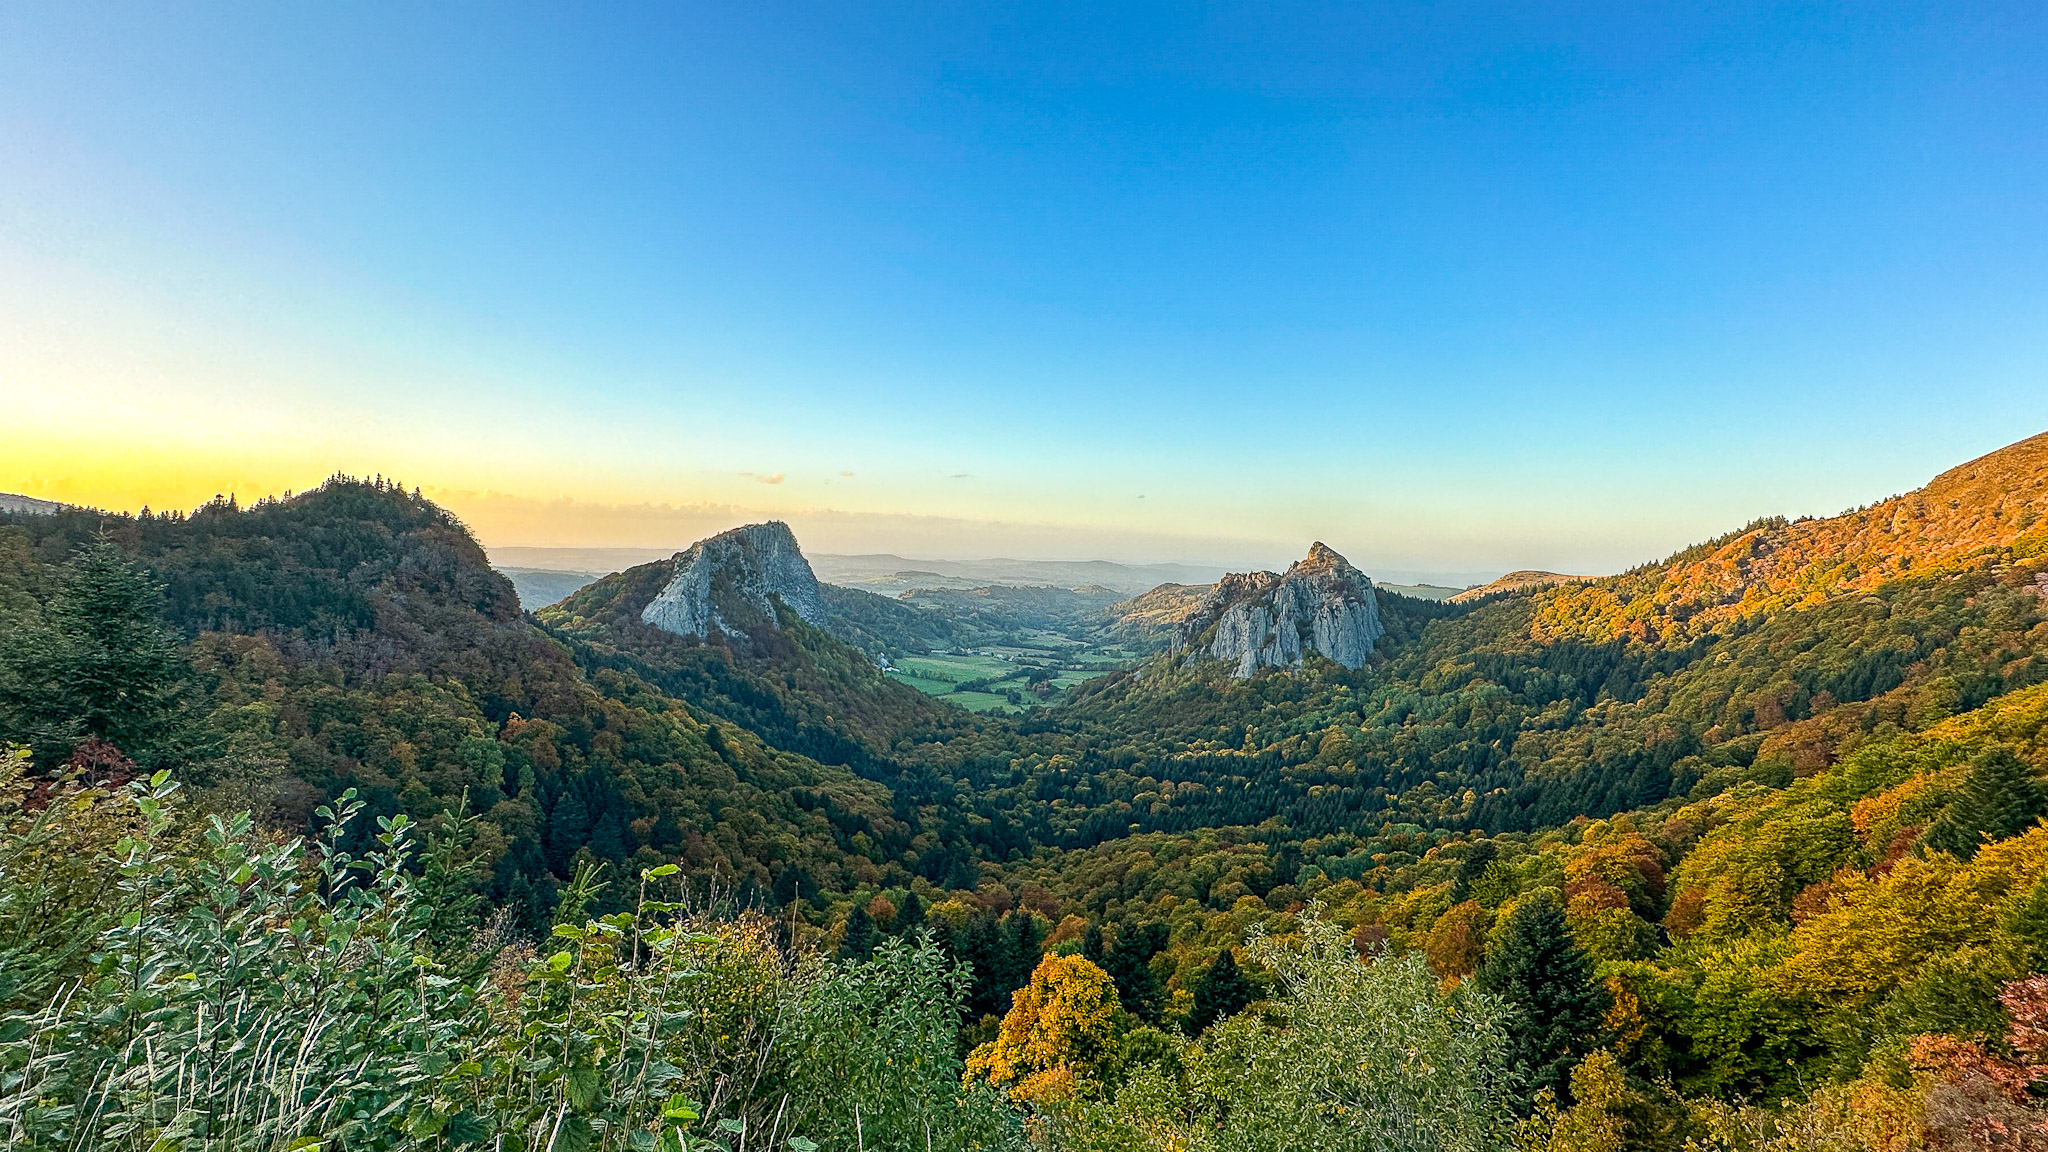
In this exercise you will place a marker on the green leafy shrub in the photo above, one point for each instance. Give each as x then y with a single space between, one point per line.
249 993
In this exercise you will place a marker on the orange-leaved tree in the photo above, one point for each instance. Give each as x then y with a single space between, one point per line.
1058 1029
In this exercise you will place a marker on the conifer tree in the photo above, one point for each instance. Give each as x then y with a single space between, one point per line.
910 917
2000 798
1555 1008
98 664
1222 992
1092 949
1471 868
859 939
979 947
1022 943
1129 964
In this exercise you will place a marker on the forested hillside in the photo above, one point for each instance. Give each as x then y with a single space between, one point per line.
1743 849
354 637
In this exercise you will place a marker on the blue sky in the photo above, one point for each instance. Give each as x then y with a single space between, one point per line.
1453 287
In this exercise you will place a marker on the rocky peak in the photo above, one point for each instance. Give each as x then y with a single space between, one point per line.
1258 619
1323 558
730 582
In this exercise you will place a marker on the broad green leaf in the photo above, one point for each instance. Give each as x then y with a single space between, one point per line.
575 1135
465 1128
425 1122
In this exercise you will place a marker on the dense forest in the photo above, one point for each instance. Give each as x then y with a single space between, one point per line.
1743 849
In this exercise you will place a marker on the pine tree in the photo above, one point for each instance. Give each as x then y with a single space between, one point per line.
1023 942
1471 868
1092 949
2000 798
567 828
1130 965
978 948
99 664
1222 992
910 917
1555 1009
859 939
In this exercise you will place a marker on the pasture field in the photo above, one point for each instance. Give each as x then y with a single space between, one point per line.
981 702
941 674
924 684
955 669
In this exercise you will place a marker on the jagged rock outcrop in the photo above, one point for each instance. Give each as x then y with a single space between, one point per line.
730 583
1259 620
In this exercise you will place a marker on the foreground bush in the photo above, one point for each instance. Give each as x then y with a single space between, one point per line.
244 992
1361 1056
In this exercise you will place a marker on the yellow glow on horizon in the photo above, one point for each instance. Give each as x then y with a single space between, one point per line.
127 459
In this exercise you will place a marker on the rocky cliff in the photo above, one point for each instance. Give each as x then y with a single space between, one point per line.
731 581
1259 620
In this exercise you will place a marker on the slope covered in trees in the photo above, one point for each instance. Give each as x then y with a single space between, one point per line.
1743 849
354 637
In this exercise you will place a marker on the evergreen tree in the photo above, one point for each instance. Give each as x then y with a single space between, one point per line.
608 835
1471 868
1023 942
567 829
793 883
1555 1008
1222 992
910 917
1091 945
1130 965
979 948
859 938
2000 798
98 664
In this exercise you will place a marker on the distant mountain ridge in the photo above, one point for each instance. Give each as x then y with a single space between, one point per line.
888 572
10 502
1516 582
540 587
1997 501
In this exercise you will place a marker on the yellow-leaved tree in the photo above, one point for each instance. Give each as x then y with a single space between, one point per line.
1058 1029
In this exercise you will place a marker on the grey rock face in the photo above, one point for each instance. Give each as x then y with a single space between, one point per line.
1260 620
729 583
9 502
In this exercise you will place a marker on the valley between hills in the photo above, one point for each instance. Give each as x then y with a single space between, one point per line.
1741 848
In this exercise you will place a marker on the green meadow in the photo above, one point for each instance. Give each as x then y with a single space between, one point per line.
994 678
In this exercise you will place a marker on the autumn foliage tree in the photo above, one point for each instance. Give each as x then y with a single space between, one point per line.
1983 1099
1058 1029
